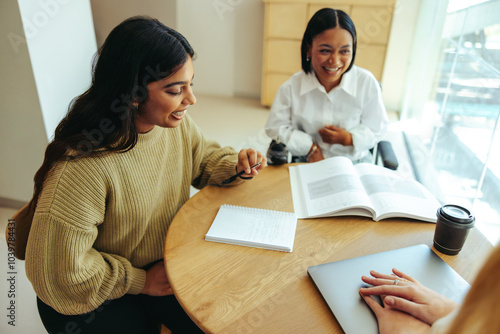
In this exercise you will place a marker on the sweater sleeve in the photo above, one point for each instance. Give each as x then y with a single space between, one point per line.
212 164
65 270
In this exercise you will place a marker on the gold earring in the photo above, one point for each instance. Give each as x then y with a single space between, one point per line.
135 104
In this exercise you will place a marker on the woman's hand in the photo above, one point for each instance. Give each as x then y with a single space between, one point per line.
246 159
392 321
156 281
334 135
315 154
402 292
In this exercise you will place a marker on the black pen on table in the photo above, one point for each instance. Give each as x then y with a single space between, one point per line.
232 178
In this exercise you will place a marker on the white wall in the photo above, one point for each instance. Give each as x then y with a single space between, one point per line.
212 38
61 44
109 13
248 42
424 55
398 52
21 126
45 62
227 36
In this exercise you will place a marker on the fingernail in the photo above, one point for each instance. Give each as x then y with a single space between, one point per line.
389 301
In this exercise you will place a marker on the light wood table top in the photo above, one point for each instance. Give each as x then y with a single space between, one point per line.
237 289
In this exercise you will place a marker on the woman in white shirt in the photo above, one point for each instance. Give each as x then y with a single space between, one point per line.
410 307
331 107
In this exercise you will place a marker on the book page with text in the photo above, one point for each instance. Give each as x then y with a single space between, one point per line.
394 196
330 186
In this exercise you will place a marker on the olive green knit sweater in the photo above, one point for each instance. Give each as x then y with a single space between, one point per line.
100 219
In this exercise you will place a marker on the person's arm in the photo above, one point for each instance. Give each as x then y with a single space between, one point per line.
157 283
315 153
65 270
402 292
279 124
331 134
213 164
372 120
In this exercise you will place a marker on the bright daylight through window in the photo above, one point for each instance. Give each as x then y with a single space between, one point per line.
461 110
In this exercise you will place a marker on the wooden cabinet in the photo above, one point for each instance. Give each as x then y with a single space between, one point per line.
286 20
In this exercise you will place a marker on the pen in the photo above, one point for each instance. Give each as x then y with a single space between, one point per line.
232 178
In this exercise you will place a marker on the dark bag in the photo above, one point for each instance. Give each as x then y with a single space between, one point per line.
18 229
277 153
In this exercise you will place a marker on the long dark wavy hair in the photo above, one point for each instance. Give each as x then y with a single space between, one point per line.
324 19
140 50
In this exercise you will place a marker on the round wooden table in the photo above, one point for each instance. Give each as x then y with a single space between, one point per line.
237 289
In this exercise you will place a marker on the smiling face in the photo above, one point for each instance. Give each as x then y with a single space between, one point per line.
167 101
331 56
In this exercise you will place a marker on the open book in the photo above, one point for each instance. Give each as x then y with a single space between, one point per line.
336 187
252 227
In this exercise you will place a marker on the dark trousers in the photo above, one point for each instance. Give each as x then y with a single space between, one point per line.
129 314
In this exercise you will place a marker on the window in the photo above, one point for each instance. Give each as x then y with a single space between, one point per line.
459 109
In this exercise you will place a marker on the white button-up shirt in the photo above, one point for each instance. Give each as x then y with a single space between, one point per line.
302 107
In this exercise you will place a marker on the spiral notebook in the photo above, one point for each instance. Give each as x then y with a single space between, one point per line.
253 227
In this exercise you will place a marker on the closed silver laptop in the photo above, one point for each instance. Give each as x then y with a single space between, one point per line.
339 282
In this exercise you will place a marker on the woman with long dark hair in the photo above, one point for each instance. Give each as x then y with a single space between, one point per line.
117 171
331 107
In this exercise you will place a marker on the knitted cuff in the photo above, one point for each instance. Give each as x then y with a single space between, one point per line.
138 277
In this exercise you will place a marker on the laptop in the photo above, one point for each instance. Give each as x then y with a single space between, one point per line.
339 282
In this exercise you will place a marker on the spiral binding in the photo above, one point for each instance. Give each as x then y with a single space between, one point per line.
231 206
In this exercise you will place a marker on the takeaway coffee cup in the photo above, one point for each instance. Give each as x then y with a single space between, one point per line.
452 227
